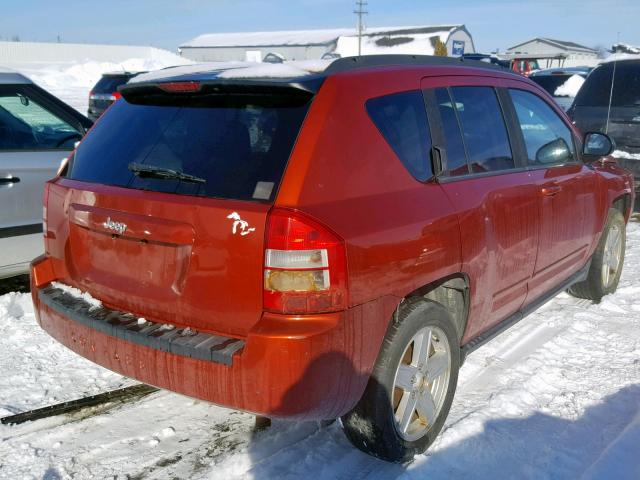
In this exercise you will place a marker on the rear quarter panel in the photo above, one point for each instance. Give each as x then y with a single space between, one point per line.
401 234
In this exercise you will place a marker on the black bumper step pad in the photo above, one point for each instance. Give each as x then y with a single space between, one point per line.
178 341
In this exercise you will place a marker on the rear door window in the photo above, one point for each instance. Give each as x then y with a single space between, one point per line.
401 118
238 150
456 158
483 128
547 138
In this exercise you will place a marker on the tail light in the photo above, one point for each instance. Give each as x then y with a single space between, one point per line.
180 87
305 265
92 95
115 96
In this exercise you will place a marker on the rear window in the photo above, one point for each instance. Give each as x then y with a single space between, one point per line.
402 120
110 83
597 89
236 151
550 82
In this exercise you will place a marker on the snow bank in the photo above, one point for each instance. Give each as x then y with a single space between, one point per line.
570 87
627 155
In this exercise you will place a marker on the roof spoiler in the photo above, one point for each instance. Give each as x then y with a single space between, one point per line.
221 92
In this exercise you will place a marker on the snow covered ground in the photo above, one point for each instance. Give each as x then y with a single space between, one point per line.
555 397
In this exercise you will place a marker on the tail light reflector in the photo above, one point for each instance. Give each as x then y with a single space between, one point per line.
305 265
115 96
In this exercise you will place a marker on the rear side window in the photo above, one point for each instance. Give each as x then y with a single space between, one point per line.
626 88
483 128
238 150
402 121
27 125
543 130
454 147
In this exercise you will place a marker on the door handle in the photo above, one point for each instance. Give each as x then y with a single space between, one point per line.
551 190
8 180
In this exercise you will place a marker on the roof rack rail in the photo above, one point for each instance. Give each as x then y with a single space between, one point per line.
346 64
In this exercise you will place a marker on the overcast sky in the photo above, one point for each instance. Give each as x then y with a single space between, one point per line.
492 23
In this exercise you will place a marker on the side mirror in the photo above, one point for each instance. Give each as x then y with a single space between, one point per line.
556 152
597 145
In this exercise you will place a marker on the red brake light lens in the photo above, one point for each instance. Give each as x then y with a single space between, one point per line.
305 265
115 96
180 87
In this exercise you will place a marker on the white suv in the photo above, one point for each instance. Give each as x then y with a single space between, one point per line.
36 132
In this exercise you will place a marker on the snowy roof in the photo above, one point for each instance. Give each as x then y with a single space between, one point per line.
558 43
625 48
305 37
228 70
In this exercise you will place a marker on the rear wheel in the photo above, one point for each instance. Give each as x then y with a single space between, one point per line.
411 388
606 263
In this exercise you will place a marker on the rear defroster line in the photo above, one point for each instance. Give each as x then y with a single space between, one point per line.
121 395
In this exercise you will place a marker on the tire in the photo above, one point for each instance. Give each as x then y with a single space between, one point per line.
607 253
372 426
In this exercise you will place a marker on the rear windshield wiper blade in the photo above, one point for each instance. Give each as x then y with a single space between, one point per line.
159 172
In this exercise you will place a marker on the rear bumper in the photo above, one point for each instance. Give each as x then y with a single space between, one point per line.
302 367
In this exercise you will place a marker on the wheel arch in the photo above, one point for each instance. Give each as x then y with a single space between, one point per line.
452 292
623 204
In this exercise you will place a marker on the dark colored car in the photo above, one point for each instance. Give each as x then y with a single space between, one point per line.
329 245
551 79
590 110
105 92
487 58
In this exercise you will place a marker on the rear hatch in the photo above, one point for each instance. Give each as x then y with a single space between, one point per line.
609 101
162 209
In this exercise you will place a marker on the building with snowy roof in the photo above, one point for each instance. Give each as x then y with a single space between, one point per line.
314 44
568 53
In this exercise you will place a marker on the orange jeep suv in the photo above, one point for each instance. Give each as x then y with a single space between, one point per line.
322 244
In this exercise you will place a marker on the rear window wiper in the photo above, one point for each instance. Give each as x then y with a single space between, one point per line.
151 171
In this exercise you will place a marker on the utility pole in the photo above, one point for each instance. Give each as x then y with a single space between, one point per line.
360 4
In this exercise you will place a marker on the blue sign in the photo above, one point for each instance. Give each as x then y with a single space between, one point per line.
458 48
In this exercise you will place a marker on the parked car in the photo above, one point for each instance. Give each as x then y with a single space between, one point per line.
551 79
330 245
36 131
105 92
590 110
487 58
